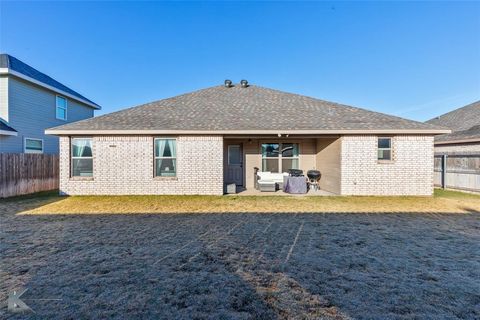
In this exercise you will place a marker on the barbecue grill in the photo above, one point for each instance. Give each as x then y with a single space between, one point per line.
295 172
314 178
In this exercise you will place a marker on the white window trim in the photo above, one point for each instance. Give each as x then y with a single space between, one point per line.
155 157
280 158
31 151
57 107
383 149
72 157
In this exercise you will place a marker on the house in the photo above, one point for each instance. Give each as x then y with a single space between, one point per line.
457 154
30 102
199 142
465 125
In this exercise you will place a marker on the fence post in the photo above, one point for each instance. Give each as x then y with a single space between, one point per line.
444 171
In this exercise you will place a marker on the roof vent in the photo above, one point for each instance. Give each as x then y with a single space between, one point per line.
228 83
244 83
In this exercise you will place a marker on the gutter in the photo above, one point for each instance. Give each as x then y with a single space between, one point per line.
54 131
458 141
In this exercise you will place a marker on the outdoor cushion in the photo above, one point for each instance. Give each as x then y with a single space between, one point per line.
272 176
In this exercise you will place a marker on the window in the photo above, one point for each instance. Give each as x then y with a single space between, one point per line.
33 145
279 157
165 157
82 157
385 149
61 108
234 155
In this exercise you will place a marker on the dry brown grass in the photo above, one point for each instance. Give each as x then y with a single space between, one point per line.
442 201
248 266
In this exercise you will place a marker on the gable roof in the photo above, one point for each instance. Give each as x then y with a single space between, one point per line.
464 122
238 110
21 69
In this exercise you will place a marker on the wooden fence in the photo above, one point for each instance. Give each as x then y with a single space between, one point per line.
22 173
458 171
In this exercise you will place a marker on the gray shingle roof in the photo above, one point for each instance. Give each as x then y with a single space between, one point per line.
470 134
243 109
12 63
464 122
6 127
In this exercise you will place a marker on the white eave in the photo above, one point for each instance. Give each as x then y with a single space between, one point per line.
54 131
8 71
8 133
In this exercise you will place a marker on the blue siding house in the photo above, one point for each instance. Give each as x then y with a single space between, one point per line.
30 102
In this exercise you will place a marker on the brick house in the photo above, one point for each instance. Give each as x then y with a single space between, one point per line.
198 143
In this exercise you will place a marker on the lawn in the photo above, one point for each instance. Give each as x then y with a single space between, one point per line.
442 201
241 265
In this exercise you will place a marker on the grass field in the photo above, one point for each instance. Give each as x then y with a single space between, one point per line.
442 201
241 265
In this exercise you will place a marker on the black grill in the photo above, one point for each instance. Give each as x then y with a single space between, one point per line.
314 174
295 172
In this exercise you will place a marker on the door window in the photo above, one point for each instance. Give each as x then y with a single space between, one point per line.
234 155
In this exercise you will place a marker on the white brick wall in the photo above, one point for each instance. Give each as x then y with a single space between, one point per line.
410 172
125 165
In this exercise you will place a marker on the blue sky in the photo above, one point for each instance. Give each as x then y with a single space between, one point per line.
415 60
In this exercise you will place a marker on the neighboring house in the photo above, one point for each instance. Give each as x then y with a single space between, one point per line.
465 125
457 155
30 102
196 143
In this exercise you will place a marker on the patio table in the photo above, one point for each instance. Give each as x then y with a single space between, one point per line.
294 184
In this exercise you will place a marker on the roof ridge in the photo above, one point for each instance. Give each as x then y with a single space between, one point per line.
335 104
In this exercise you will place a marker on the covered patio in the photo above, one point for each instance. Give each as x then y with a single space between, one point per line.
247 159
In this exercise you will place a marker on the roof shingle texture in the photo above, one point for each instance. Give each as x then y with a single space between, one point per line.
10 62
237 108
464 122
470 134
